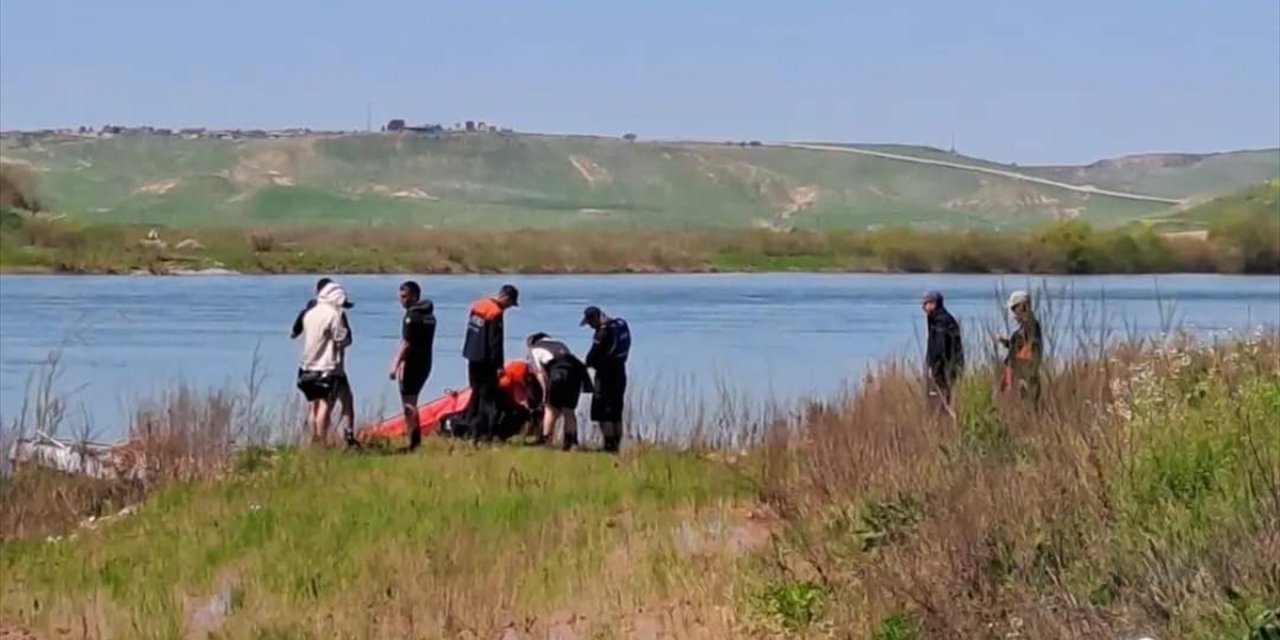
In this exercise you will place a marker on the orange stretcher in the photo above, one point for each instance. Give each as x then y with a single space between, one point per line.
429 415
512 381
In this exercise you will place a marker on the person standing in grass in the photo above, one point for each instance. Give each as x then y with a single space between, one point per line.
562 377
483 350
944 353
411 364
610 348
322 377
1025 347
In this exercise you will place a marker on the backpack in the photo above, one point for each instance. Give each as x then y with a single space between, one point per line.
621 332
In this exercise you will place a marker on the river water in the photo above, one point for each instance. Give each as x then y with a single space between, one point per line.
697 338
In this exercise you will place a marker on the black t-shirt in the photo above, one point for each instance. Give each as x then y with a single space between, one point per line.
419 331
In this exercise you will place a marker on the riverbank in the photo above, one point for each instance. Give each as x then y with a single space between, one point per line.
34 245
1141 498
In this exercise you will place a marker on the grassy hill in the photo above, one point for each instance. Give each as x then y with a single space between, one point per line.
1172 175
1261 201
522 180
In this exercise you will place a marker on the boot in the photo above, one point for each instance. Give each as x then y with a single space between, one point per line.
612 444
415 439
570 442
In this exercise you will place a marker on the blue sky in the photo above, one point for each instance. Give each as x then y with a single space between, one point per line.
1024 81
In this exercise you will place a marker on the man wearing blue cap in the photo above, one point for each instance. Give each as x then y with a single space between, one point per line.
944 353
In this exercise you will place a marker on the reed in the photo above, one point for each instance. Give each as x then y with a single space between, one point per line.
1141 496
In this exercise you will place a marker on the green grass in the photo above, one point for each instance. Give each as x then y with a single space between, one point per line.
521 180
317 539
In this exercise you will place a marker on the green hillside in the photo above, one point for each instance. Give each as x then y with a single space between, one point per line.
522 180
1175 175
1260 202
1171 175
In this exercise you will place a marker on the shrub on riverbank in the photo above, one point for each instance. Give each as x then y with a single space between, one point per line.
19 186
1249 245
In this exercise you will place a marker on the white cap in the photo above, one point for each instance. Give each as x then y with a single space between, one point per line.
1018 297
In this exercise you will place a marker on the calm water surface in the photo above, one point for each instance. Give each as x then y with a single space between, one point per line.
781 337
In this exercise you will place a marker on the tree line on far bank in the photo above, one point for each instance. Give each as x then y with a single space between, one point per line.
1240 245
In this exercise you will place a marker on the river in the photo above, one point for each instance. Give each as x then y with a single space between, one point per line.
697 338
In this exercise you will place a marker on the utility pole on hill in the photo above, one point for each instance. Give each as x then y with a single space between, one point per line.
368 117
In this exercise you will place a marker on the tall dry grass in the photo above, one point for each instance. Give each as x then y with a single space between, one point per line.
183 435
1142 495
19 186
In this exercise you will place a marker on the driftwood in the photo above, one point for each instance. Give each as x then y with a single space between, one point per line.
108 462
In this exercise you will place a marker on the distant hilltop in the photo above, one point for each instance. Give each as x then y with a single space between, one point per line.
395 125
192 133
476 174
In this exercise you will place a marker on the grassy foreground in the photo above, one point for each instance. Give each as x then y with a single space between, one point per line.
1141 497
329 546
1248 244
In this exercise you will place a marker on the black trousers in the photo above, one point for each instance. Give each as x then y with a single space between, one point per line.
939 394
484 408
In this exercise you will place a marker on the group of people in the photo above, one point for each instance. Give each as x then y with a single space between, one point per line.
944 351
504 395
545 386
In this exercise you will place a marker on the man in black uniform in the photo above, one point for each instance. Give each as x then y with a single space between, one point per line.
483 349
610 348
944 353
411 365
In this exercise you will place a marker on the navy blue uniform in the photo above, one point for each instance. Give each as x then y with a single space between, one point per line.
610 348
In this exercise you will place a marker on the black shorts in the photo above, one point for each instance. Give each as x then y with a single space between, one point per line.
565 389
608 401
317 385
413 379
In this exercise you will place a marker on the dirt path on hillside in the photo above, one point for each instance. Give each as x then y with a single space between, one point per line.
987 170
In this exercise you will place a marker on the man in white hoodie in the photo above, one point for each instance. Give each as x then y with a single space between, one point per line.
322 376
